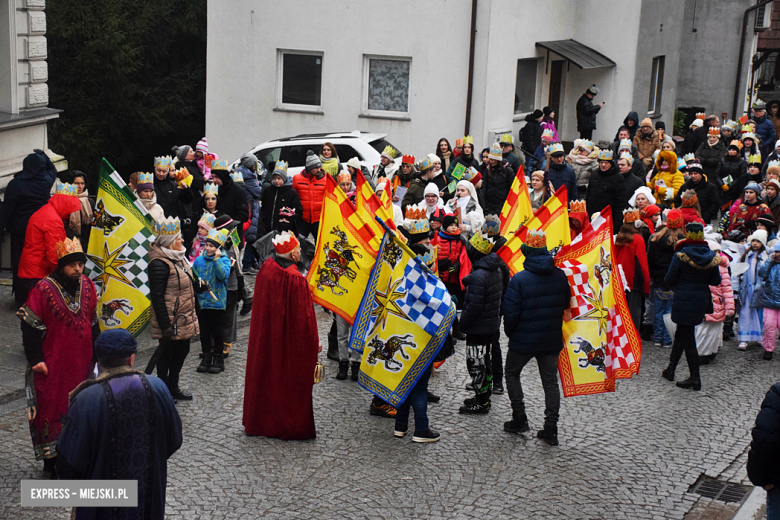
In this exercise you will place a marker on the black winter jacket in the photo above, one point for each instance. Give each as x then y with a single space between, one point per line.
531 134
174 202
27 192
607 189
709 157
586 113
232 200
632 116
708 195
693 269
273 199
734 166
659 257
534 305
563 175
632 182
496 183
482 300
197 177
695 139
763 465
468 162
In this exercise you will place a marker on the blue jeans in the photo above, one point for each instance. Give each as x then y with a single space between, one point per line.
250 257
662 304
773 504
418 400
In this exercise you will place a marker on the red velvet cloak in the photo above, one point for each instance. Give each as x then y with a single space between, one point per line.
281 356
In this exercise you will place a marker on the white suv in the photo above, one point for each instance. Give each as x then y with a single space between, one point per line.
367 147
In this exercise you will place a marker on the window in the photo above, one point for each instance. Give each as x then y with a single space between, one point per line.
269 155
656 86
380 144
386 86
296 155
346 152
525 86
300 78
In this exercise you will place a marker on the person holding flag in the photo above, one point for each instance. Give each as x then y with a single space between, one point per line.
534 307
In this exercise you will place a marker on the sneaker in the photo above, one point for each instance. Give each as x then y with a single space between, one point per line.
383 410
469 401
250 272
400 431
548 436
657 344
470 387
742 345
426 436
498 388
475 408
767 356
517 427
667 346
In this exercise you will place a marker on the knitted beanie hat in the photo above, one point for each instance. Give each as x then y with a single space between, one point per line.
202 146
181 152
448 220
312 161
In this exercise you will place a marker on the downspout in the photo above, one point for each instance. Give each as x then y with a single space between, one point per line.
741 53
471 65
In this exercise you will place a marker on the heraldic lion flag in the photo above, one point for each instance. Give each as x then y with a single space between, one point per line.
402 322
601 343
116 256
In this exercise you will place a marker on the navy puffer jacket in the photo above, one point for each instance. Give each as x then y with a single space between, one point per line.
693 269
534 305
763 465
27 192
482 301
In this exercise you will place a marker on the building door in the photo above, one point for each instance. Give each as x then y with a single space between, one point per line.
556 83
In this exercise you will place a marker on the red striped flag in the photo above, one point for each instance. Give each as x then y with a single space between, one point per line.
517 209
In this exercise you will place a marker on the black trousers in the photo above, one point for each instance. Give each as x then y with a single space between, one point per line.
548 371
586 134
685 341
210 321
171 358
496 359
479 365
305 228
17 245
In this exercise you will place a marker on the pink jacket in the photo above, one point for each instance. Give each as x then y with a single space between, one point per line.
723 294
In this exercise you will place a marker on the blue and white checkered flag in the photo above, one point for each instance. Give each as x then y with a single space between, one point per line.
427 300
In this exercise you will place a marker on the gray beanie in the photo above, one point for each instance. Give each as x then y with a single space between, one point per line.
312 161
248 159
181 152
281 172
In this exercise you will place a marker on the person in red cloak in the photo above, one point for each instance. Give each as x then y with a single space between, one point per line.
578 218
45 229
282 349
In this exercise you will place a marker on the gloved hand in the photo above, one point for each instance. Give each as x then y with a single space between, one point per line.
203 288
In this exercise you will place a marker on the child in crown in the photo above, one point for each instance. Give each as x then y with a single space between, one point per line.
453 262
205 224
213 267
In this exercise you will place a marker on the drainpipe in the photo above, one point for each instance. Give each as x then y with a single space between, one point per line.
742 52
471 65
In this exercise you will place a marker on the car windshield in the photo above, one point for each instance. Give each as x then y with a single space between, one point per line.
380 144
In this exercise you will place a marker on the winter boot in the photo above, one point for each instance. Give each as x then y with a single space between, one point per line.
456 333
549 434
517 426
246 307
475 408
355 366
333 343
226 349
218 364
433 398
205 363
343 370
694 383
668 374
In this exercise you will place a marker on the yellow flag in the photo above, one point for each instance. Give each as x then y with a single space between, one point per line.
552 218
344 256
517 210
116 256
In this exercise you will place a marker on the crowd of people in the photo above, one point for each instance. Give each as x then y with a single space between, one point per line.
695 224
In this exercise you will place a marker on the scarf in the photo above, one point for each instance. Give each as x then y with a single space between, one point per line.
331 165
463 201
581 159
148 203
178 257
446 236
83 216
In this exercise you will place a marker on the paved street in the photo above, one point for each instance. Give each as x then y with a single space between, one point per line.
631 454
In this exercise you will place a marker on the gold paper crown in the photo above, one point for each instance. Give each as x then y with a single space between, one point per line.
605 155
407 159
578 206
689 199
430 257
747 129
237 177
555 147
754 158
688 157
536 238
208 219
413 212
714 131
631 215
482 243
548 133
181 174
737 143
627 157
506 138
587 143
280 165
163 162
65 188
625 144
458 143
467 139
495 150
210 188
681 164
67 247
773 164
219 164
145 178
470 174
416 219
701 115
285 242
217 235
492 225
169 226
392 152
425 164
732 124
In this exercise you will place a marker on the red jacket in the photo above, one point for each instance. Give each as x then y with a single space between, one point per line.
45 228
454 251
311 191
689 215
628 255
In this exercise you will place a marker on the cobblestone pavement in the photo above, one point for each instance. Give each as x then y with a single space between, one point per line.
632 454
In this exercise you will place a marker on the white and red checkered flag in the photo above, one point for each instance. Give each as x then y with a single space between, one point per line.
577 274
601 343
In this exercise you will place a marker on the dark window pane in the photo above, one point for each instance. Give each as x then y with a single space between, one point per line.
525 86
346 152
302 79
388 85
296 155
380 144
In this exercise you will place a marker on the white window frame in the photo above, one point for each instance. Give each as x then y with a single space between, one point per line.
655 97
384 114
295 107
